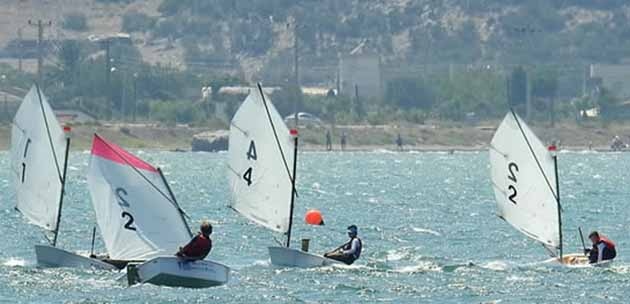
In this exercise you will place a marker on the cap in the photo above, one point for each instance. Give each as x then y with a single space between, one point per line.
352 228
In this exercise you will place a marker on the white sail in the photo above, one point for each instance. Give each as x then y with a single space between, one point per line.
259 164
137 217
523 176
37 154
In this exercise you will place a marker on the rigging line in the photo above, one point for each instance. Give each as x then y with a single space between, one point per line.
496 150
496 187
275 134
534 154
171 194
135 169
233 171
182 214
52 147
553 254
46 237
242 131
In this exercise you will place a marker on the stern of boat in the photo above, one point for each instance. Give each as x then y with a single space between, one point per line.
176 272
49 256
289 257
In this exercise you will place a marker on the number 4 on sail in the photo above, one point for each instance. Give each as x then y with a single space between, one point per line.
262 168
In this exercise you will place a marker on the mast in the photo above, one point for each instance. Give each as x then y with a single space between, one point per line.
170 192
275 134
67 130
292 179
554 155
294 133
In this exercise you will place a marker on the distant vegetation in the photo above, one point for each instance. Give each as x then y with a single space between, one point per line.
456 31
535 40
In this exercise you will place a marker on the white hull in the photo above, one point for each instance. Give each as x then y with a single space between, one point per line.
49 256
577 260
175 272
289 257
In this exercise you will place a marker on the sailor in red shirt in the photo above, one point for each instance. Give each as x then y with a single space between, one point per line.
199 247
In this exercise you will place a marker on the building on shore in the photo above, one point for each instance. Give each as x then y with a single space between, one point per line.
360 72
614 77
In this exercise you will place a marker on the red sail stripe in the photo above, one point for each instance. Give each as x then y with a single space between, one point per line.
112 152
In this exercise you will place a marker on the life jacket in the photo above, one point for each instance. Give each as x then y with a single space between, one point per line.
609 244
348 246
199 246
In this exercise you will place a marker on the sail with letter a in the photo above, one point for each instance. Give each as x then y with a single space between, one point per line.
259 158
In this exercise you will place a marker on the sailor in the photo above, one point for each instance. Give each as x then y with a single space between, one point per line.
199 247
399 142
603 248
328 141
350 251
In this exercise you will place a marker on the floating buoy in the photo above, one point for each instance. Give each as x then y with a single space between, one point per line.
314 217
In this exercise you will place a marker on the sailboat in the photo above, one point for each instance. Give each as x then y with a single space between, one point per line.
39 160
262 163
526 186
141 222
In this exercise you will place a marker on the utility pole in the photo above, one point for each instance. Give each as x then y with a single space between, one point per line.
40 45
19 34
135 96
296 69
296 61
528 97
123 106
552 113
3 78
108 70
357 102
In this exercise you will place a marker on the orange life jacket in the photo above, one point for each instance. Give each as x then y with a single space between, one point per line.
609 244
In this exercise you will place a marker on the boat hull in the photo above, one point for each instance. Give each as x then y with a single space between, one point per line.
289 257
49 256
176 272
578 260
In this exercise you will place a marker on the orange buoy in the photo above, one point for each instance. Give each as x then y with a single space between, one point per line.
314 217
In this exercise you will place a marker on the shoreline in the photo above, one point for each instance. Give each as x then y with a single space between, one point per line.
360 138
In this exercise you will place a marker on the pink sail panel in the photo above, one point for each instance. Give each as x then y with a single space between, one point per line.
112 152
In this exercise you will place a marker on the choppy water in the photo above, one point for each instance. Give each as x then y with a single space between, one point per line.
427 221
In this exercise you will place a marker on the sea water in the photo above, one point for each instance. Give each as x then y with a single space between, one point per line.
427 221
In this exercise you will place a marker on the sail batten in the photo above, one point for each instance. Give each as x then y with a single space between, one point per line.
524 182
37 145
258 154
136 218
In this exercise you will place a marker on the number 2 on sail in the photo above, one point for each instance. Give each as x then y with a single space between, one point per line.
122 202
129 224
512 169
